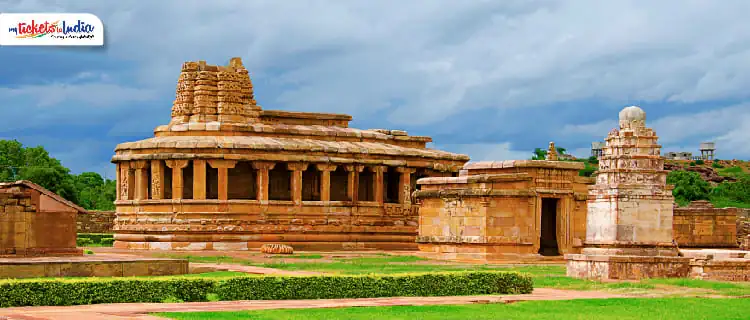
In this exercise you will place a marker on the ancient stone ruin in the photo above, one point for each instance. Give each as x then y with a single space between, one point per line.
514 209
36 222
630 210
225 174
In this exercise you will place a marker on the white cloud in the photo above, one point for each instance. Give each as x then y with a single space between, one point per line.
442 57
487 151
77 100
729 127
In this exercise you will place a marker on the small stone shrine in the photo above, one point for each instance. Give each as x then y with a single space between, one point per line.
501 210
225 174
630 210
36 222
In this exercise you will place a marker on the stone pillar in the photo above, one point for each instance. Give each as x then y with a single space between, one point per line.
141 180
124 181
325 180
404 183
199 179
157 179
296 183
378 183
177 183
353 185
118 179
262 177
223 167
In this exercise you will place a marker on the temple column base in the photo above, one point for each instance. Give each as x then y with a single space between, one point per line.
626 267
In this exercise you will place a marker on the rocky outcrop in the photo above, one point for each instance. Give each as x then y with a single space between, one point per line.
707 173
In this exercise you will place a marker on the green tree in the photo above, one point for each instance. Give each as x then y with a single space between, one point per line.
689 186
35 164
94 192
539 154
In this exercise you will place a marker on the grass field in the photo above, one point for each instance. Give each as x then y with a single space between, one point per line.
600 309
544 276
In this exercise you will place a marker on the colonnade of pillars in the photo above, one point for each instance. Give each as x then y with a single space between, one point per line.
150 179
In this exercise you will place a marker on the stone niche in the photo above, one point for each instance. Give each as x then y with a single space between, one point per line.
504 210
224 174
630 210
36 222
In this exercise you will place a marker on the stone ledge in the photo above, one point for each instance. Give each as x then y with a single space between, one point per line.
473 193
506 177
485 165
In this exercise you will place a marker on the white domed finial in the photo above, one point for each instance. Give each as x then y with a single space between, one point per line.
632 115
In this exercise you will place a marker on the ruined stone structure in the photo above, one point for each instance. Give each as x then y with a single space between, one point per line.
506 209
630 210
36 222
226 175
96 222
702 225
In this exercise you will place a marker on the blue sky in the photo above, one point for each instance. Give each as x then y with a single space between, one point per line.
492 79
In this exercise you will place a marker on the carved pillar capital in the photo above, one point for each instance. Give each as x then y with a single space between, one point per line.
140 164
176 164
297 166
222 163
354 167
378 169
326 167
263 165
405 170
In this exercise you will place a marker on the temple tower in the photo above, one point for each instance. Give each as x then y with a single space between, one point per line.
629 218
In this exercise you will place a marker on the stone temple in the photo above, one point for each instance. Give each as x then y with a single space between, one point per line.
630 210
225 174
498 210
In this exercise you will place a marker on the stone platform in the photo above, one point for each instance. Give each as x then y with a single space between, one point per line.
612 267
90 266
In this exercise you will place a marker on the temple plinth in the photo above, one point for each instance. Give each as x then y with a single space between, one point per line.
225 174
630 209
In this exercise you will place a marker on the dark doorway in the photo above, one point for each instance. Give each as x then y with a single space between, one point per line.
548 232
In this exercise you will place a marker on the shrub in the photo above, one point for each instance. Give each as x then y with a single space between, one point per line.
336 287
692 163
83 242
107 242
699 162
95 237
716 165
76 292
738 191
689 186
17 293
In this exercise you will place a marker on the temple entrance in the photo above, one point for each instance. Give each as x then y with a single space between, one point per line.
548 232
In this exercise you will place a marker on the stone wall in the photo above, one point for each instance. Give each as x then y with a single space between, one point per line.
95 222
702 225
32 224
743 228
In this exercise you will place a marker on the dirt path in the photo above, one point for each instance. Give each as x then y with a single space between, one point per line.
141 310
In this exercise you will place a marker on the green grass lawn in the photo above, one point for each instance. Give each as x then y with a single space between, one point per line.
213 275
600 309
379 264
544 276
